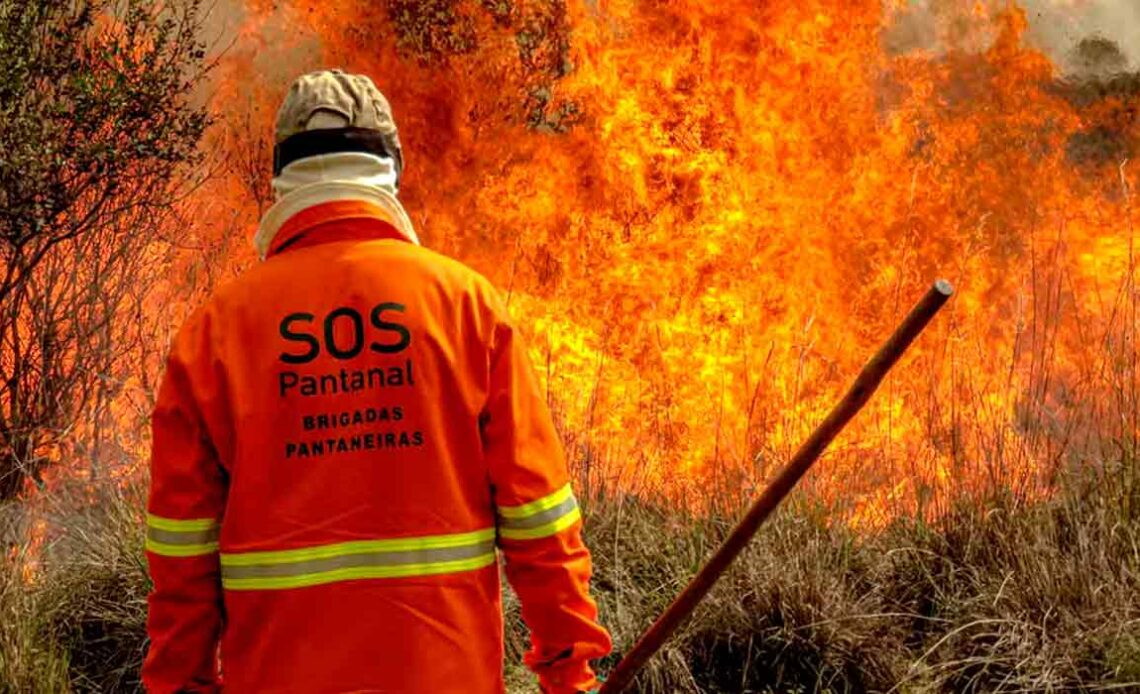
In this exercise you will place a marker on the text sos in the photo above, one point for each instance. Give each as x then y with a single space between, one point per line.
303 329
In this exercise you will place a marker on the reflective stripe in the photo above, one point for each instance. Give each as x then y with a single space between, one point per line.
547 516
309 566
534 507
196 537
400 544
181 538
173 525
542 517
551 528
181 550
362 572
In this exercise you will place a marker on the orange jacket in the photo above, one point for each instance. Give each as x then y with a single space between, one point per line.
343 439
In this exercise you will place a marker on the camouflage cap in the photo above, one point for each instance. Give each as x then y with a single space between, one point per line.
353 97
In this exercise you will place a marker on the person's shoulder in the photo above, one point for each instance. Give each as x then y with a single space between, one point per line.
419 263
192 336
461 280
232 291
443 261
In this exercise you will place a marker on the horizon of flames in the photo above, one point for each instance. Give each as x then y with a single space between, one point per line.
707 216
704 243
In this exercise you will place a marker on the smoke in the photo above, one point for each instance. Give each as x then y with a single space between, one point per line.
267 42
1093 38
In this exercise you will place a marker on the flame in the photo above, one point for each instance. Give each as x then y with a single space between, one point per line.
706 216
28 555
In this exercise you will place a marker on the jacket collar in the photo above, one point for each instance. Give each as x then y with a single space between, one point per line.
340 220
336 177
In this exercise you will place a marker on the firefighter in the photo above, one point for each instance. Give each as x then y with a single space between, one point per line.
346 439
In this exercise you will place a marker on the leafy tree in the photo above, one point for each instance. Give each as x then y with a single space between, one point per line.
97 122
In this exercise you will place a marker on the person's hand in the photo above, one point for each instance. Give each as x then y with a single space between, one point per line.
595 690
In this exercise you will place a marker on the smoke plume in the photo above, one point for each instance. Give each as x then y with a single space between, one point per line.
1084 38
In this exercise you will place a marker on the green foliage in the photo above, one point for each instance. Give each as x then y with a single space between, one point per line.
90 93
95 124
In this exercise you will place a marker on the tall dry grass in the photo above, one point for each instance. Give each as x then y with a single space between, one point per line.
1012 591
998 595
75 611
1008 590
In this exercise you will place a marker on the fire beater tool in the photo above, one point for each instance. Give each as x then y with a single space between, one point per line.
857 396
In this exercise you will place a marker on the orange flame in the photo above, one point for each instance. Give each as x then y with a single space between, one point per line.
707 215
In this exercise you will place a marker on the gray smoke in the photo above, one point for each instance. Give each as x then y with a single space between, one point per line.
1093 38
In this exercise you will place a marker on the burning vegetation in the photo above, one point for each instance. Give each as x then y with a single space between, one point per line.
704 216
703 239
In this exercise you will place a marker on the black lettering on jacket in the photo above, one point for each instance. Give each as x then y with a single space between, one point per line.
379 322
291 336
357 333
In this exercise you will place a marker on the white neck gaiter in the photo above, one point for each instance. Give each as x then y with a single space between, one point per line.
329 177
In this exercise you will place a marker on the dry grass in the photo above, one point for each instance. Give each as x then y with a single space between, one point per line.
80 624
996 597
1005 597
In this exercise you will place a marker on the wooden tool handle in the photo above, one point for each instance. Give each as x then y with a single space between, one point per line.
857 396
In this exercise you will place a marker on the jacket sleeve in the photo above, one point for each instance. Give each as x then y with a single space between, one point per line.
539 524
187 496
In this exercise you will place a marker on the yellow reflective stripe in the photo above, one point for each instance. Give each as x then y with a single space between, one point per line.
358 572
169 550
551 528
439 555
171 537
358 547
539 519
539 506
173 525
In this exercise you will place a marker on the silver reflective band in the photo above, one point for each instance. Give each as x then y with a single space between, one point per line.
349 561
173 537
542 517
358 559
186 537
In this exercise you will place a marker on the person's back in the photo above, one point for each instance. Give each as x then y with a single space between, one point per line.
343 437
